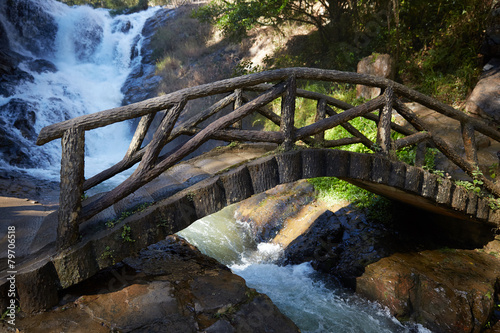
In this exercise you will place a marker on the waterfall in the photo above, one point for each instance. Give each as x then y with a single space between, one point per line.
72 61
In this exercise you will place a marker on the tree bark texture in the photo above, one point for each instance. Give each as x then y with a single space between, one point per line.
72 176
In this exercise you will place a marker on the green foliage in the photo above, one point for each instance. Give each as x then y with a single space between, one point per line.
127 213
332 190
235 18
126 234
118 6
108 254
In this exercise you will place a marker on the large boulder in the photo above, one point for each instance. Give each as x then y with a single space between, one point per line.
168 287
378 65
445 290
484 101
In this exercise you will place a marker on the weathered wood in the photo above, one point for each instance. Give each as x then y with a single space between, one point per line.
381 170
237 185
320 115
209 197
130 161
313 163
72 176
289 166
340 118
154 105
135 181
288 114
397 177
264 174
335 103
160 138
429 185
413 179
336 163
230 135
384 125
420 154
353 131
444 192
140 134
411 140
470 146
448 151
237 103
341 142
360 166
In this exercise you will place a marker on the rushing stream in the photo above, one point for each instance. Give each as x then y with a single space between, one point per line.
315 303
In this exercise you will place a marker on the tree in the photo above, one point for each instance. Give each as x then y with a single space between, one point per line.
333 19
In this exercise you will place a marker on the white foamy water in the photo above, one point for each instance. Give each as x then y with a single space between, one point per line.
315 304
93 59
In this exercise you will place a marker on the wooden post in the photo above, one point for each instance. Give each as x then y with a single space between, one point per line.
288 114
420 155
469 138
237 103
72 177
384 124
319 138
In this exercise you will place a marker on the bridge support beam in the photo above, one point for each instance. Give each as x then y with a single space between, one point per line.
288 114
72 177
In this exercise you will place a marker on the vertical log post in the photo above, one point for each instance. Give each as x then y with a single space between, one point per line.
469 139
72 177
237 103
319 138
420 154
288 114
384 124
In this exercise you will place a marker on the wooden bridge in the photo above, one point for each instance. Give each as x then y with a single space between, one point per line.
84 246
269 86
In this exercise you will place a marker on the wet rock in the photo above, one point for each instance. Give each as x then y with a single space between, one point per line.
142 81
168 287
319 243
22 114
42 66
378 65
445 290
36 28
87 38
275 206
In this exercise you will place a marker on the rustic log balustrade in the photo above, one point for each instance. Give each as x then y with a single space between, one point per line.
228 128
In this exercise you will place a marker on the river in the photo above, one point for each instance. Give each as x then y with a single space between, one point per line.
315 302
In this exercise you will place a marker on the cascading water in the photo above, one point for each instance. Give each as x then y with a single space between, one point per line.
313 303
74 61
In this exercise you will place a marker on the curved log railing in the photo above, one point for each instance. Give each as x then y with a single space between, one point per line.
152 164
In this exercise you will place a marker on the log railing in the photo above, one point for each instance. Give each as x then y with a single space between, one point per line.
228 128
